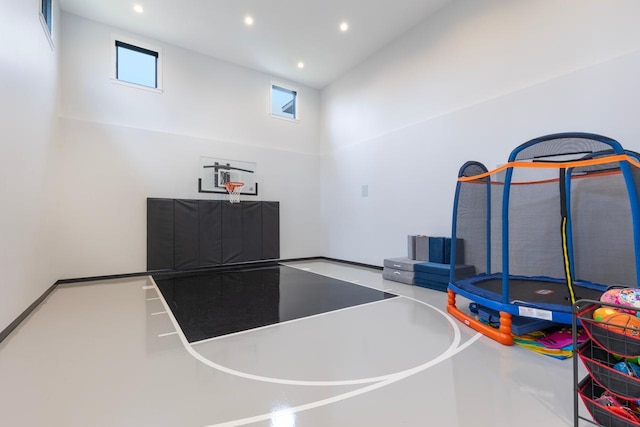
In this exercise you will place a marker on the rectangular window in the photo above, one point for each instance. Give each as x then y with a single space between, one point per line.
137 65
284 102
45 9
46 20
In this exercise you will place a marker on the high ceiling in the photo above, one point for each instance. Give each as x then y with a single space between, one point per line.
284 32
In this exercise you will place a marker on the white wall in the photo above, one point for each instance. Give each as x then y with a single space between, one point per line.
120 145
203 97
28 118
470 83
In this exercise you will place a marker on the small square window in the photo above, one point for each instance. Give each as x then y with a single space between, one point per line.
46 13
136 65
284 102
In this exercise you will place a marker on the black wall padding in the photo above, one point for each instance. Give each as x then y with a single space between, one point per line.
187 250
232 231
251 231
210 236
159 234
270 230
184 234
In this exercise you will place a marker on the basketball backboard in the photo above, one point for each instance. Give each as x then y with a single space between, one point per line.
214 173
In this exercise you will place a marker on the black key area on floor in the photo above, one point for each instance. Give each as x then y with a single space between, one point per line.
227 301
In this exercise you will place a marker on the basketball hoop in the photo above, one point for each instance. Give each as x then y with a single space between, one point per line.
234 189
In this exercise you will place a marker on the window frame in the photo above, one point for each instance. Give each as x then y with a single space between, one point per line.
141 47
296 118
45 15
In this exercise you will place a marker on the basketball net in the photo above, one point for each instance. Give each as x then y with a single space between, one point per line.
234 189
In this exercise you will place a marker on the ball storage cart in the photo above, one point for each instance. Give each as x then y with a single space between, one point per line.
610 395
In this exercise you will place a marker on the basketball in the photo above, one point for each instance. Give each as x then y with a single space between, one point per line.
623 323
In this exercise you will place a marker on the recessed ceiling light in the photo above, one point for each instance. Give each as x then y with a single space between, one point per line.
248 20
300 64
138 8
344 26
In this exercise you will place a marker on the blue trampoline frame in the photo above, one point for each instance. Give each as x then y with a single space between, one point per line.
560 313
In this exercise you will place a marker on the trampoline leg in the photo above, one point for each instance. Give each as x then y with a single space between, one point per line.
502 335
505 324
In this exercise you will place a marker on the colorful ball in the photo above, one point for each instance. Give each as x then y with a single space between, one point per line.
628 368
635 368
625 368
611 296
603 312
629 297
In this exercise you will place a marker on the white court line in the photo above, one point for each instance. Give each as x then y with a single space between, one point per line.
153 299
317 404
167 334
392 378
245 375
160 312
290 321
147 287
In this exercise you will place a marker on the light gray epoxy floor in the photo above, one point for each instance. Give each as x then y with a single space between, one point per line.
97 355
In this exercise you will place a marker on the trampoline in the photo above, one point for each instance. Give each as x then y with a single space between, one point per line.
557 223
